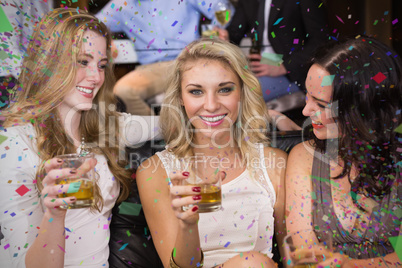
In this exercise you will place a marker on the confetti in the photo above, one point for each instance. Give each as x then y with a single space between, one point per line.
396 242
22 190
127 208
74 187
327 80
278 21
379 77
5 25
2 139
123 247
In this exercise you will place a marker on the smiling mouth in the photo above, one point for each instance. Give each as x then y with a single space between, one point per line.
85 90
213 119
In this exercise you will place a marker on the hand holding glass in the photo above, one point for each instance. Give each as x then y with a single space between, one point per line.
204 173
81 186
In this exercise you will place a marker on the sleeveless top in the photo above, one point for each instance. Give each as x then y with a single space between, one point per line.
384 221
245 222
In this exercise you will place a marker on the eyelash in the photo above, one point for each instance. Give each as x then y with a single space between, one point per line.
222 90
84 63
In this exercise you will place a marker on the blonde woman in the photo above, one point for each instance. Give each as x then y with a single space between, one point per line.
64 94
214 108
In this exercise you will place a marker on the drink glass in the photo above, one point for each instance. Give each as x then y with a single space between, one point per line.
204 173
81 187
305 248
207 30
223 13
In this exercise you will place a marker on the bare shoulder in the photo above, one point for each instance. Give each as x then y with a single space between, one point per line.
152 168
301 154
275 161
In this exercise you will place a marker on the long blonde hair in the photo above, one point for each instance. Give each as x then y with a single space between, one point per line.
48 75
253 115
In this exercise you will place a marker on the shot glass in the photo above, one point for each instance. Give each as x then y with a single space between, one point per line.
305 248
81 187
204 173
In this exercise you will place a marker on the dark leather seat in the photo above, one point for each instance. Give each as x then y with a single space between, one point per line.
130 243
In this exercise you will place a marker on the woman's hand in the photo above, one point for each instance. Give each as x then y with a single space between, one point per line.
51 190
184 195
337 260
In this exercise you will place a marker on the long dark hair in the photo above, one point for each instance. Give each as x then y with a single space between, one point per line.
367 91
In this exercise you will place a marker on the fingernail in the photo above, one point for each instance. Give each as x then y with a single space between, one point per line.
72 199
73 171
196 189
225 174
59 161
186 173
197 197
194 209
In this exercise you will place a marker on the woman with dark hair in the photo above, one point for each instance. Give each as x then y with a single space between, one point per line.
347 180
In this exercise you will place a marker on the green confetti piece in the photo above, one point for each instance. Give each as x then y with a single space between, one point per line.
398 213
47 72
327 80
271 59
149 179
128 233
3 55
313 195
2 139
174 252
273 34
74 187
399 129
127 208
354 195
396 242
5 25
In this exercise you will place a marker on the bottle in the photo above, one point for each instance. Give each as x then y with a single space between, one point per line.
255 46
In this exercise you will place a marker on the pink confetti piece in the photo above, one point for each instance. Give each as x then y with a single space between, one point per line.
295 41
62 249
339 19
150 43
105 227
6 246
395 21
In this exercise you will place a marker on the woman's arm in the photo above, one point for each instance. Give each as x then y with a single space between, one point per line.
298 188
167 230
299 207
48 249
135 129
282 122
276 170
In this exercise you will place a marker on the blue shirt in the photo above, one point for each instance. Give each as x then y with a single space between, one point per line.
159 28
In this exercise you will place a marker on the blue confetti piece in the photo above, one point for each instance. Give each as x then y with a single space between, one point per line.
112 6
278 20
123 247
227 244
174 23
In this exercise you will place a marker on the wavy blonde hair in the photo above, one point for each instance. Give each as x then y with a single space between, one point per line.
48 75
253 118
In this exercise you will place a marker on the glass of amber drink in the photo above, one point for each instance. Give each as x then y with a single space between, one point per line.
81 186
306 248
204 172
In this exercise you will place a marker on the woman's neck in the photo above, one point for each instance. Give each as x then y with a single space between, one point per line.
71 122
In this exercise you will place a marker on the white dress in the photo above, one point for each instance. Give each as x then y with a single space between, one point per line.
87 234
246 221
